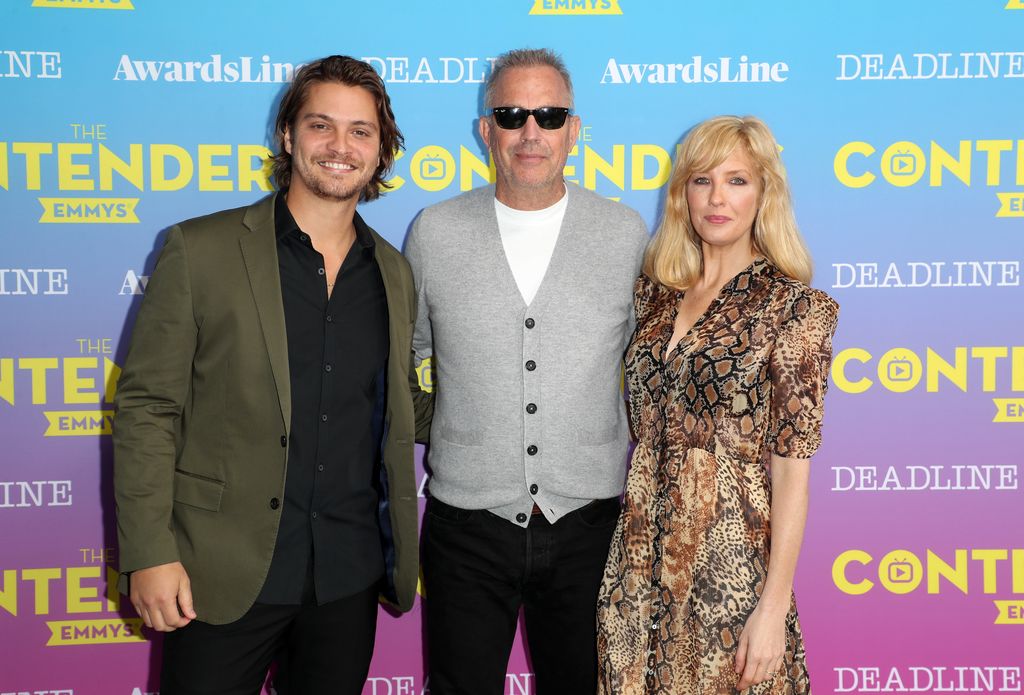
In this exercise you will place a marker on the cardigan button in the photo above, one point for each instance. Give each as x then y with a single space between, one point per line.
530 323
284 441
532 450
274 503
521 518
531 408
530 365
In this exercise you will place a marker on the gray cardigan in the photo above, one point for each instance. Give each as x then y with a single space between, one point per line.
529 404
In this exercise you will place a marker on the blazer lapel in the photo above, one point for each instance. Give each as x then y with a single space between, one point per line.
394 290
259 249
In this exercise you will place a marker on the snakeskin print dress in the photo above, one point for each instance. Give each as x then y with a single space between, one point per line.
689 556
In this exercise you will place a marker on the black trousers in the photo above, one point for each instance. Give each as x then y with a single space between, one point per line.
319 649
479 570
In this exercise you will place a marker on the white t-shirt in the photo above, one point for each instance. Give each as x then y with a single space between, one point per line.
529 238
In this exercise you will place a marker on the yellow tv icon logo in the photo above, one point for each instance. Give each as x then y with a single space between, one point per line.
901 572
432 168
900 370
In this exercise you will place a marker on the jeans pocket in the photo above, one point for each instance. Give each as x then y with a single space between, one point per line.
599 513
445 512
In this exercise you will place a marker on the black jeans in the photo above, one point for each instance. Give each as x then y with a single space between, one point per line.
319 649
479 570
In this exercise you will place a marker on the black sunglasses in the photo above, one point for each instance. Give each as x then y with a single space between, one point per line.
514 117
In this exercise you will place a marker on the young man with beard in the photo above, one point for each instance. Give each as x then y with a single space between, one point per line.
263 441
525 305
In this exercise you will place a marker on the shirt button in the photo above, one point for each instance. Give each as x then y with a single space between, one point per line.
530 365
319 271
327 367
530 323
533 489
320 467
284 441
274 503
521 518
531 408
532 449
323 418
314 515
329 318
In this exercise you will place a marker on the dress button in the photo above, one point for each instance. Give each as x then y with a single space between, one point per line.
530 323
284 441
320 271
303 237
314 515
329 318
327 367
531 408
533 489
320 467
520 517
532 449
323 418
274 503
530 365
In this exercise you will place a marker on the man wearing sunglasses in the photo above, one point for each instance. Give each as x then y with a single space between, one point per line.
525 307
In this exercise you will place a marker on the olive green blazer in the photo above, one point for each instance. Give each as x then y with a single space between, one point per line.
203 412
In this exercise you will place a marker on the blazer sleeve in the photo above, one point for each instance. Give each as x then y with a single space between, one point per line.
151 395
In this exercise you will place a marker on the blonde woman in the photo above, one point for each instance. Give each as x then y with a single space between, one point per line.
726 374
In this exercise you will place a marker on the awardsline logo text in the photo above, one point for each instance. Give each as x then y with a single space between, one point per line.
696 71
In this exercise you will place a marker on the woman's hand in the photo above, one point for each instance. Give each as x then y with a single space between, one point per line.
762 646
763 640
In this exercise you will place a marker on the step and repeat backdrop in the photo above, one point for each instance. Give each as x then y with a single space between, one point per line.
903 136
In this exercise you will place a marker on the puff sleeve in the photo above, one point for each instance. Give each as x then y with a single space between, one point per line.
798 369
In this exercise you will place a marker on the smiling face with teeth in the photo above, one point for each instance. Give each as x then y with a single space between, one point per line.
335 143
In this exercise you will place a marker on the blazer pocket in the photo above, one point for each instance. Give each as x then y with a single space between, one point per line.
196 491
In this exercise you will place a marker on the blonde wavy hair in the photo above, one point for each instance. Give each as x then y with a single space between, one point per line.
674 256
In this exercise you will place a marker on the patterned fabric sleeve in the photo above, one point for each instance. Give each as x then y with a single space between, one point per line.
799 373
643 297
643 303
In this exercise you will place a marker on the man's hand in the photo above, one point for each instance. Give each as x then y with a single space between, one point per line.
162 595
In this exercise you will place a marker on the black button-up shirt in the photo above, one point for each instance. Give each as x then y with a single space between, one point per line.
337 360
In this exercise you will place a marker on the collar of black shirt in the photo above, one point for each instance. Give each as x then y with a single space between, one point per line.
285 225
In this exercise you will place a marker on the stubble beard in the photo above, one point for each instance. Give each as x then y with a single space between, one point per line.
322 187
